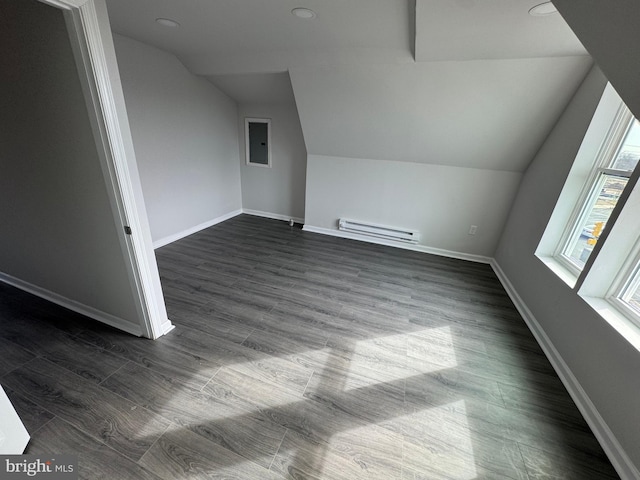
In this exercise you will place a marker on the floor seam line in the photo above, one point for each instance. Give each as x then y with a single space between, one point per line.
278 449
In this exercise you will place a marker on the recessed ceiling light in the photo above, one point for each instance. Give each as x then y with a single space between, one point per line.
303 13
167 22
546 8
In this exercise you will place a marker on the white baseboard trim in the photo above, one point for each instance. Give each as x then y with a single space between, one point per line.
391 243
190 231
112 320
617 455
274 216
166 327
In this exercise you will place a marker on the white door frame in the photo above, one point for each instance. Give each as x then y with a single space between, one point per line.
90 38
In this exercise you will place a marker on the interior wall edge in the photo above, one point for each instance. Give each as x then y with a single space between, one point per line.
273 216
610 444
81 308
405 246
190 231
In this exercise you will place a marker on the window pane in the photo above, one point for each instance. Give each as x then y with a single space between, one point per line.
629 152
608 189
634 301
631 292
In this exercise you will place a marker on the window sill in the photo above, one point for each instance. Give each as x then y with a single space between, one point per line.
617 319
562 272
609 312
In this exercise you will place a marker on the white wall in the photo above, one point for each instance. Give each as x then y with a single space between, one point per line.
278 190
185 138
441 202
58 230
605 365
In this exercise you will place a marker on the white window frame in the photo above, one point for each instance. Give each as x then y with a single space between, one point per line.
247 146
613 269
624 285
591 190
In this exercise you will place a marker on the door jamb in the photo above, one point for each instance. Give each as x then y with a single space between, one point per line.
88 43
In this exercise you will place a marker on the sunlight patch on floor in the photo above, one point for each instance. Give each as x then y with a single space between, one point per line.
367 451
396 357
438 443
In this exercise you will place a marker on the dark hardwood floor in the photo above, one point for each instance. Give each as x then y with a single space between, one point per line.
299 356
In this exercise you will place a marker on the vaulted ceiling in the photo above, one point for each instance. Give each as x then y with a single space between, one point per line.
262 36
473 83
258 36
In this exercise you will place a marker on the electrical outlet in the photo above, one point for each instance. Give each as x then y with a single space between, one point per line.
473 229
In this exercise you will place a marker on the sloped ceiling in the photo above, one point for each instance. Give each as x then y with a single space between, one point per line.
491 114
489 29
262 36
475 83
610 31
261 88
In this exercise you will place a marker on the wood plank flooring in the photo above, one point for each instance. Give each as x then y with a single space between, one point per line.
299 356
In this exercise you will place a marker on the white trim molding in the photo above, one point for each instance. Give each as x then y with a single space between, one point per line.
65 4
90 36
81 308
247 141
610 444
190 231
390 243
273 216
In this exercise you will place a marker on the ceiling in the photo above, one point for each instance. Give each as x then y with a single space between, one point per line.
402 80
256 88
487 114
489 29
257 36
262 36
610 32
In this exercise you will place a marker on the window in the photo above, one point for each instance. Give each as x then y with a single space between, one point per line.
257 137
616 160
601 197
625 293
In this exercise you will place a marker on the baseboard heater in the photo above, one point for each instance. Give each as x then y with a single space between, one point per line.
380 231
